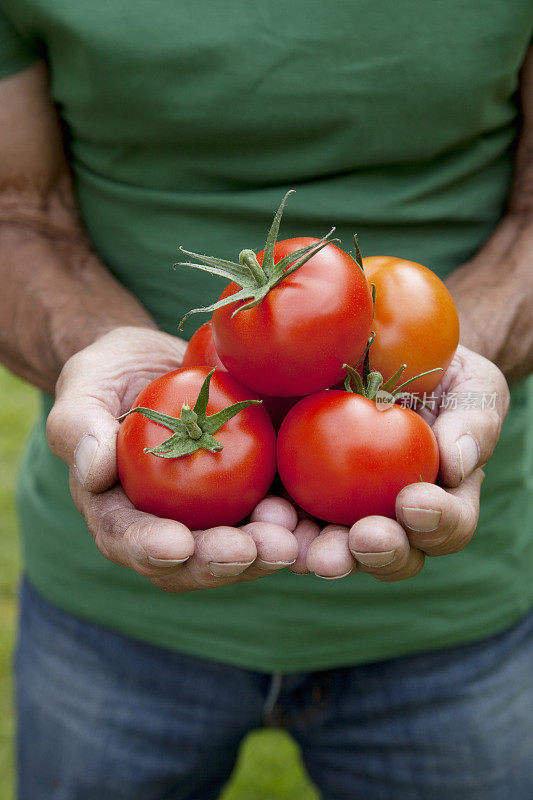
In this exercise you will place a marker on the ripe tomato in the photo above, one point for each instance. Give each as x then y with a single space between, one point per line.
205 488
201 352
201 349
299 336
415 321
291 315
341 457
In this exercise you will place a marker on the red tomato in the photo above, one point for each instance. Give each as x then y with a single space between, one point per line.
341 457
203 489
416 321
298 337
201 351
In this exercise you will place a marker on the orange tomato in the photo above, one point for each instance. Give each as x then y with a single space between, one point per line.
416 322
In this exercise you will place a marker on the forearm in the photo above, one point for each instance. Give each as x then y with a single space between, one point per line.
57 297
494 291
494 297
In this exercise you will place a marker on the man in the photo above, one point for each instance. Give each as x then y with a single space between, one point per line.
125 131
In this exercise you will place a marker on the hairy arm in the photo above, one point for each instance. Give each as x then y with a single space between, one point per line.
494 291
57 297
68 326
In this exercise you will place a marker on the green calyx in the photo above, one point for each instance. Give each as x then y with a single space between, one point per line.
194 430
372 382
256 280
358 255
359 261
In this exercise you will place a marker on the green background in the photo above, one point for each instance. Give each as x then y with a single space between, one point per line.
269 766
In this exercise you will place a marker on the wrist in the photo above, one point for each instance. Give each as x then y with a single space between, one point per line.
59 299
493 294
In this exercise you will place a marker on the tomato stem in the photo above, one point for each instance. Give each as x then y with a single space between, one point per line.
190 420
255 280
249 259
373 385
372 382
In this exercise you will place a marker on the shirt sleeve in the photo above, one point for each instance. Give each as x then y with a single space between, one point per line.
16 52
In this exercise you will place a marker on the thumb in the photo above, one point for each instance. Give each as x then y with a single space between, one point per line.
466 441
467 430
82 431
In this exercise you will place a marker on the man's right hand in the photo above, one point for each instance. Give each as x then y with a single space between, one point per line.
72 298
97 385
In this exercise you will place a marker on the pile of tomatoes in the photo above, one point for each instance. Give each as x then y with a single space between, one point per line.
282 334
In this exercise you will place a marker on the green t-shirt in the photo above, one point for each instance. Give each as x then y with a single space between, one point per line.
186 123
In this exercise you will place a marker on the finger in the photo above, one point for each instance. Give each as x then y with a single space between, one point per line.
439 521
305 532
131 538
277 510
467 435
95 386
331 526
466 441
221 556
329 556
276 547
163 550
81 430
381 548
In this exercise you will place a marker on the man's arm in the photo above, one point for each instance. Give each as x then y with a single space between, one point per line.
56 296
494 291
494 296
63 314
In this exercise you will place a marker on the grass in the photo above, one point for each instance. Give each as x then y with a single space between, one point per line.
269 765
18 404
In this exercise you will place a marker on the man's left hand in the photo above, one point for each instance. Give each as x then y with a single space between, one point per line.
431 520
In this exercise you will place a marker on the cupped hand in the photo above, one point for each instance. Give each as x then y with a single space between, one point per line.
471 403
97 385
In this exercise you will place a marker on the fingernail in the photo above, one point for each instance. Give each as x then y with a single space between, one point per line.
333 577
84 456
375 559
225 569
167 562
271 566
468 454
424 520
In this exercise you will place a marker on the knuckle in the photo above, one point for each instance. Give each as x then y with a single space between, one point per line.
453 544
505 397
468 524
417 566
92 519
462 532
70 368
172 586
107 527
54 427
76 492
493 424
101 545
135 535
414 565
134 538
502 388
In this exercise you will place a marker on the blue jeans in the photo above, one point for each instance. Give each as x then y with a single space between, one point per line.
103 717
